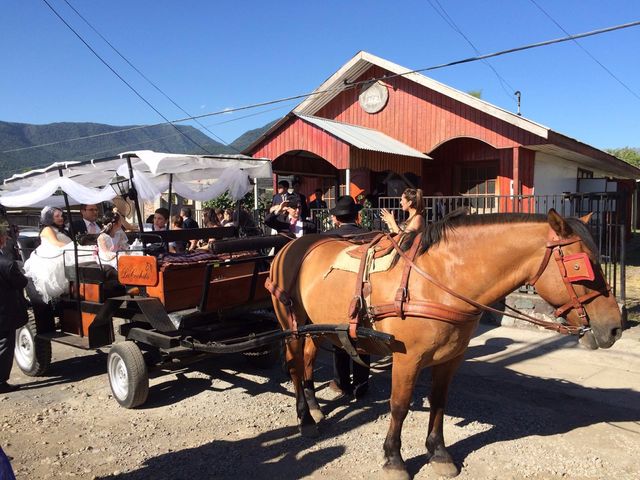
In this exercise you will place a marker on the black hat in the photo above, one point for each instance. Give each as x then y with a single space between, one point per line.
345 206
293 200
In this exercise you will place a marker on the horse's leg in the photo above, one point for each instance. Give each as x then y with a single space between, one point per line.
295 362
437 454
404 374
310 353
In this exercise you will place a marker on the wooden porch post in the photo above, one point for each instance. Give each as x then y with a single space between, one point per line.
516 170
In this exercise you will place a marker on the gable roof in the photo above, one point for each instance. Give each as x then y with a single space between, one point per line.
362 61
557 144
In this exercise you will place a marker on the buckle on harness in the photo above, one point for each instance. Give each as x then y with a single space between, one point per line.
342 333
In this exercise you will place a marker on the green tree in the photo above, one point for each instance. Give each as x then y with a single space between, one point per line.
475 93
628 154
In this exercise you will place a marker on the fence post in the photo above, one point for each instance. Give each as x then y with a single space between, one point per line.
623 248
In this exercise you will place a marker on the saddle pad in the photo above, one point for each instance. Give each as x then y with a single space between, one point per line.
345 261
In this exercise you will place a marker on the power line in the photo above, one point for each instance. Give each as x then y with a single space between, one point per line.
142 74
616 78
131 145
348 85
516 49
120 77
440 10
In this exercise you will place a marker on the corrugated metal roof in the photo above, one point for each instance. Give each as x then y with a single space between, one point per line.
364 138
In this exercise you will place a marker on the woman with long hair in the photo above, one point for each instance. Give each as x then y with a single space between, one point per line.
112 239
412 203
45 266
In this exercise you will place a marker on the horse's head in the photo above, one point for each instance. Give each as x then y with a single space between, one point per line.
570 278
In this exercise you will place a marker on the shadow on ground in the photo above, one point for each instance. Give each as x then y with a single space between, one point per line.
510 404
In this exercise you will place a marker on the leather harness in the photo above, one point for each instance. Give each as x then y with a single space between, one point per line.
403 305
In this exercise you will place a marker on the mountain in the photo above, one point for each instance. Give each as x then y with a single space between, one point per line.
250 136
161 138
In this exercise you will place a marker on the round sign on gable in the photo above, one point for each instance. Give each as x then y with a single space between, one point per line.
373 97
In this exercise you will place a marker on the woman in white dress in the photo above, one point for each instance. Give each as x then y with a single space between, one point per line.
45 266
112 239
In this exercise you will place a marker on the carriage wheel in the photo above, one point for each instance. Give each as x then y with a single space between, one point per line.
32 353
128 375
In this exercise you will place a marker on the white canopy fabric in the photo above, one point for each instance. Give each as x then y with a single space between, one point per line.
195 177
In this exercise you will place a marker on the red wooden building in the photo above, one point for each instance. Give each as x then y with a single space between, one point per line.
436 137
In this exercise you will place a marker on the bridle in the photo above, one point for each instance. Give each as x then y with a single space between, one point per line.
582 270
579 262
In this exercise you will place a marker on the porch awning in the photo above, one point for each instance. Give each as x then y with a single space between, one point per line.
364 138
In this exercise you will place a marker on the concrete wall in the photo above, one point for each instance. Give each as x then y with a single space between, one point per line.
553 175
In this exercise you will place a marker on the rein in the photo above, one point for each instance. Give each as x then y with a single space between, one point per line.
553 247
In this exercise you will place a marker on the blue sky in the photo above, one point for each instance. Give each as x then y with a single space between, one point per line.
209 56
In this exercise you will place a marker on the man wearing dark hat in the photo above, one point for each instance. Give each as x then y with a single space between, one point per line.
13 310
344 216
286 218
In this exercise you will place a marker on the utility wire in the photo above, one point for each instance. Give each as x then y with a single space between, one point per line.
120 77
440 10
347 85
143 75
616 78
144 142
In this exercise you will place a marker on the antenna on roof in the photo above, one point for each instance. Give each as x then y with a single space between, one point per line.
518 95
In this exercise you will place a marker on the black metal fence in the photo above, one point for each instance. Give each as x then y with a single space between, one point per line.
607 223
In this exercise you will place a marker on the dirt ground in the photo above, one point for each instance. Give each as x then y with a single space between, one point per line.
525 404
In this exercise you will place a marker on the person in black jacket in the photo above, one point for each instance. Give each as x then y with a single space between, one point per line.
286 218
13 311
89 221
344 216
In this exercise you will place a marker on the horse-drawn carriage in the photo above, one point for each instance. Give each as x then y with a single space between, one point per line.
167 308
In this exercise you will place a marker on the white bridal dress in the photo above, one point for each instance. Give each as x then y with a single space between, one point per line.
45 267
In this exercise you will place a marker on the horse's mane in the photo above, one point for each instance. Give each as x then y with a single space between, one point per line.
437 231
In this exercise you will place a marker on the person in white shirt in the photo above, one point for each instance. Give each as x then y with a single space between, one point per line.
89 222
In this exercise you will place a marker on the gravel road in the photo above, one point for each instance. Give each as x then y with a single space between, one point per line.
525 404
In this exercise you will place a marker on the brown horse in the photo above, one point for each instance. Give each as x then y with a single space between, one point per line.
482 258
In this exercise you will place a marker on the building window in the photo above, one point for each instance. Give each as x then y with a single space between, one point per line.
479 180
582 173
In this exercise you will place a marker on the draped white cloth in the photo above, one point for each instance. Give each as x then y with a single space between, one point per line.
193 177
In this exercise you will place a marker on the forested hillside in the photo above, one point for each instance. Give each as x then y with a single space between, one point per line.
162 138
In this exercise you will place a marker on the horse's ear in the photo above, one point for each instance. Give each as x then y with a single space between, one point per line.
585 219
559 224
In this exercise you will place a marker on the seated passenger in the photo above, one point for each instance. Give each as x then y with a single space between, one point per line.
45 266
412 203
286 218
178 246
111 240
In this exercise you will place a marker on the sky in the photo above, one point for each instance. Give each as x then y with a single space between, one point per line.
209 56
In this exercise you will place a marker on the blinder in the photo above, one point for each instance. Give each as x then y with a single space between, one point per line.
578 267
573 268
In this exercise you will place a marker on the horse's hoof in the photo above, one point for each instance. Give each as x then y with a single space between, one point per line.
317 415
395 474
309 431
445 469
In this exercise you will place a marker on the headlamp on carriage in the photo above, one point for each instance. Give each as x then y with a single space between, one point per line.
122 187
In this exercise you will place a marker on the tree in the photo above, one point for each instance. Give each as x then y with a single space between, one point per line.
475 93
628 154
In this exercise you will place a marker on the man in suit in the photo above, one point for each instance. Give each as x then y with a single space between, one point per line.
13 310
89 221
287 218
344 216
187 221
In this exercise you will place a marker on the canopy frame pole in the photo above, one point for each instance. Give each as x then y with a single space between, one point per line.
76 269
169 198
255 194
136 202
